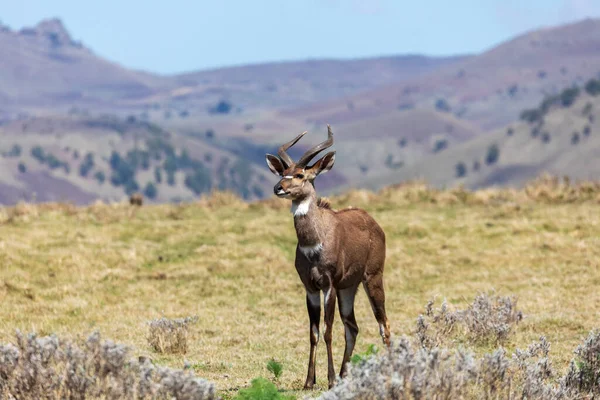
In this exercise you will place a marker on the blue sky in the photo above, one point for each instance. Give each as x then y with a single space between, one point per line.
179 35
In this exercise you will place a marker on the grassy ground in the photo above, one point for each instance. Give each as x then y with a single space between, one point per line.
70 271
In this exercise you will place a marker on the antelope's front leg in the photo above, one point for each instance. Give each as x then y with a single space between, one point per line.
313 303
330 296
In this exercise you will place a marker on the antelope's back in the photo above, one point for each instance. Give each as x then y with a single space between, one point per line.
357 221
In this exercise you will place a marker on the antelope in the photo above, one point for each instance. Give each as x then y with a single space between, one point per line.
336 252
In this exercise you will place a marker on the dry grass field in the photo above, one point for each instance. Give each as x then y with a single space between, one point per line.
112 268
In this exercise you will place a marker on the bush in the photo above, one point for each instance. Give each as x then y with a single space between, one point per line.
402 142
440 144
171 178
575 138
131 187
49 368
157 175
592 87
442 105
584 372
510 131
123 173
568 96
261 389
222 107
531 115
493 153
488 318
86 165
275 368
22 167
37 152
476 165
406 371
546 137
100 177
199 180
461 169
587 130
169 335
15 151
150 190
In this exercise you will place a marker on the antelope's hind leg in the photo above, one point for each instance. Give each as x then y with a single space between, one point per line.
374 287
346 306
313 304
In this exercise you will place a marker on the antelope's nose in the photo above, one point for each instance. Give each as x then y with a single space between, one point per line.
278 189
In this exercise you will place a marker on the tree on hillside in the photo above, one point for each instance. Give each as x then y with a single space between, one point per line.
157 175
442 105
592 87
150 190
568 96
493 153
461 169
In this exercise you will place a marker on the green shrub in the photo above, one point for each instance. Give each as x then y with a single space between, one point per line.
261 389
275 368
357 358
22 167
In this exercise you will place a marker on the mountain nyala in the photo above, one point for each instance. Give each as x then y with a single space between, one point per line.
337 250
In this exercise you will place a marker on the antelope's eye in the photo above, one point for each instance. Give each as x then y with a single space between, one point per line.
300 176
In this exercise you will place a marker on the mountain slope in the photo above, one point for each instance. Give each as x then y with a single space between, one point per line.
44 68
82 158
565 141
488 89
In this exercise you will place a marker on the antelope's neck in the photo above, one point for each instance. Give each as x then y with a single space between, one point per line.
308 222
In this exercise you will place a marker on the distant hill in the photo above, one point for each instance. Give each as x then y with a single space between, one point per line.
562 139
394 118
43 68
488 89
80 158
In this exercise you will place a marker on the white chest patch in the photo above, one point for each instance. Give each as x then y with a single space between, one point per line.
300 208
310 251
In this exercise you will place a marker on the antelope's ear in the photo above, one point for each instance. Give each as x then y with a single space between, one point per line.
275 165
323 165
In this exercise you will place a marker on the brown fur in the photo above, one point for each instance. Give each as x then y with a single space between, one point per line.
336 252
136 199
